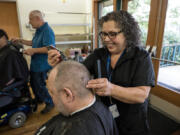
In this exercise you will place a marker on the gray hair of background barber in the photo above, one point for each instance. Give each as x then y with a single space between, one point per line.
127 24
72 75
38 14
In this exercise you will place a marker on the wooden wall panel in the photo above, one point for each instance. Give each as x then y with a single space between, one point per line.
166 94
95 17
114 5
9 19
125 5
152 32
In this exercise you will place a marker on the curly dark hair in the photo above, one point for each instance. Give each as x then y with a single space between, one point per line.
127 24
3 33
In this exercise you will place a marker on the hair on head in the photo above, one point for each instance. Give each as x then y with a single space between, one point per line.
72 75
127 24
3 33
37 13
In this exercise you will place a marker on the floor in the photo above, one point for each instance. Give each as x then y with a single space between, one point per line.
160 124
34 121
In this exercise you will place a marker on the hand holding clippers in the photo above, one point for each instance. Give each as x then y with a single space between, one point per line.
62 57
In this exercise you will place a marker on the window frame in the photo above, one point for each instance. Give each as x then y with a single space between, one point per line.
155 35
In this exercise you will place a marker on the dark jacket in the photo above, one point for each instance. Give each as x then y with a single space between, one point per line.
12 65
134 68
95 120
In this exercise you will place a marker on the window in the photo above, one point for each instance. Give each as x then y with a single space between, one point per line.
169 70
104 8
140 10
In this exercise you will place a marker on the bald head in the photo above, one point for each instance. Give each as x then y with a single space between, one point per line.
37 13
36 19
72 75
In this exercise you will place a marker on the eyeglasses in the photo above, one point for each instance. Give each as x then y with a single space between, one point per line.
111 35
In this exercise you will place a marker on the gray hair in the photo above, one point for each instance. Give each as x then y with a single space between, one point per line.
38 14
72 75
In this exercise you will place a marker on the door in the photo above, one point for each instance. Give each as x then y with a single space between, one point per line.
9 19
169 68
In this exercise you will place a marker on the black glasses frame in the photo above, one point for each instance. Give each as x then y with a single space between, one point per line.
111 35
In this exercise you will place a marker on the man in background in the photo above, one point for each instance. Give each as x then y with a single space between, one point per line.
80 112
44 36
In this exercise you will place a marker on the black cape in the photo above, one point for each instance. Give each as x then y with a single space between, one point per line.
95 120
12 65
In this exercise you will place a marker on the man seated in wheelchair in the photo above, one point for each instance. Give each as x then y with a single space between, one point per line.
13 79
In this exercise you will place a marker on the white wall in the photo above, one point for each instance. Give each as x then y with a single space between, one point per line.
51 9
165 107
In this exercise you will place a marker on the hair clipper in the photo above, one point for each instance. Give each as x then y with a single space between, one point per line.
63 57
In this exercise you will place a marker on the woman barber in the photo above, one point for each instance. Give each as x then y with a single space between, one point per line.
127 73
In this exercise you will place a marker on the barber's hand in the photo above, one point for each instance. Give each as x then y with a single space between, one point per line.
101 86
16 40
53 57
30 51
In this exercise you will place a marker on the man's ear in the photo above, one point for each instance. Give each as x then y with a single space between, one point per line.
69 95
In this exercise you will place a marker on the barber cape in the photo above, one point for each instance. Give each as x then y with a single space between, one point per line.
94 120
12 65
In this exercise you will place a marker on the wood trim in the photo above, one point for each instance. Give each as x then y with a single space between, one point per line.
114 5
92 22
160 34
155 37
8 0
166 94
95 19
152 22
125 5
161 27
9 18
154 28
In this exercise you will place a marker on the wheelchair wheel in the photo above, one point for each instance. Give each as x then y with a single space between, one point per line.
17 119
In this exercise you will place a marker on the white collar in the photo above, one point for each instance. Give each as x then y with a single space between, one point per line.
83 108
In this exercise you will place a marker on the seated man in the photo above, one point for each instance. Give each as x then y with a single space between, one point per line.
80 112
13 67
